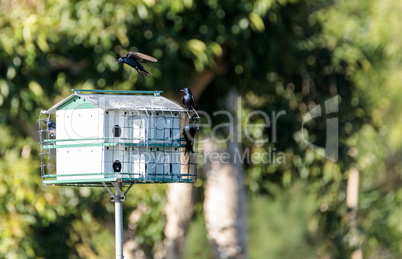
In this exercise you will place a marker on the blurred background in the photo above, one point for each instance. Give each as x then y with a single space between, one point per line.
284 55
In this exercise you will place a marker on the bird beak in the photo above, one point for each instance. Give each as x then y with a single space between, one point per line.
182 90
120 60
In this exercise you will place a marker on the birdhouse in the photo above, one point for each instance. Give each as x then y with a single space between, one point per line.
100 137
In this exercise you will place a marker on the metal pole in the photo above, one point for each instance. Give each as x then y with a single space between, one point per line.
118 211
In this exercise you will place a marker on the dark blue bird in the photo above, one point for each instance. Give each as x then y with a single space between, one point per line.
188 99
189 134
51 127
132 59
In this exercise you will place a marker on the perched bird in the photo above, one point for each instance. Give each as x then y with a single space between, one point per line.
132 59
195 118
51 127
189 134
188 99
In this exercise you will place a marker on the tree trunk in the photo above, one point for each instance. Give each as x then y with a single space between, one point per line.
225 198
131 248
352 197
179 210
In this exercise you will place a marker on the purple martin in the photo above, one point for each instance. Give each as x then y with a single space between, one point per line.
189 132
132 59
188 99
51 126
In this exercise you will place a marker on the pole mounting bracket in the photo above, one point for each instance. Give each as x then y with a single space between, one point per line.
116 185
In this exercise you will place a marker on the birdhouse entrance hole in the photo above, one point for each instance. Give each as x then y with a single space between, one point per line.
117 166
116 131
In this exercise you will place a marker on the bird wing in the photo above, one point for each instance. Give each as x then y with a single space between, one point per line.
140 57
195 103
193 130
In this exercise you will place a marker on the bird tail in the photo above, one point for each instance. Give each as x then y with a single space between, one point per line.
189 148
144 73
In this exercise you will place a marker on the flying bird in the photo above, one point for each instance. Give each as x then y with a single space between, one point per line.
188 99
133 60
189 134
51 127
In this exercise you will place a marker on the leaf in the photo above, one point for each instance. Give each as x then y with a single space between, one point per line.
196 46
257 24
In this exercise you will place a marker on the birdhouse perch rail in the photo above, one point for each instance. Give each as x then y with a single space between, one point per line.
107 173
109 181
108 138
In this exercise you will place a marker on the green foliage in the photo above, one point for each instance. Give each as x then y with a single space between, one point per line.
280 55
280 228
197 240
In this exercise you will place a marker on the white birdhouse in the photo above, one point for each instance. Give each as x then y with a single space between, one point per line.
109 136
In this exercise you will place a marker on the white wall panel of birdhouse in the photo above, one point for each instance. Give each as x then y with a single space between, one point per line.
79 160
175 122
115 154
116 124
167 127
77 128
77 124
152 164
151 126
176 164
130 126
139 165
162 127
138 124
156 126
141 126
160 123
160 158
